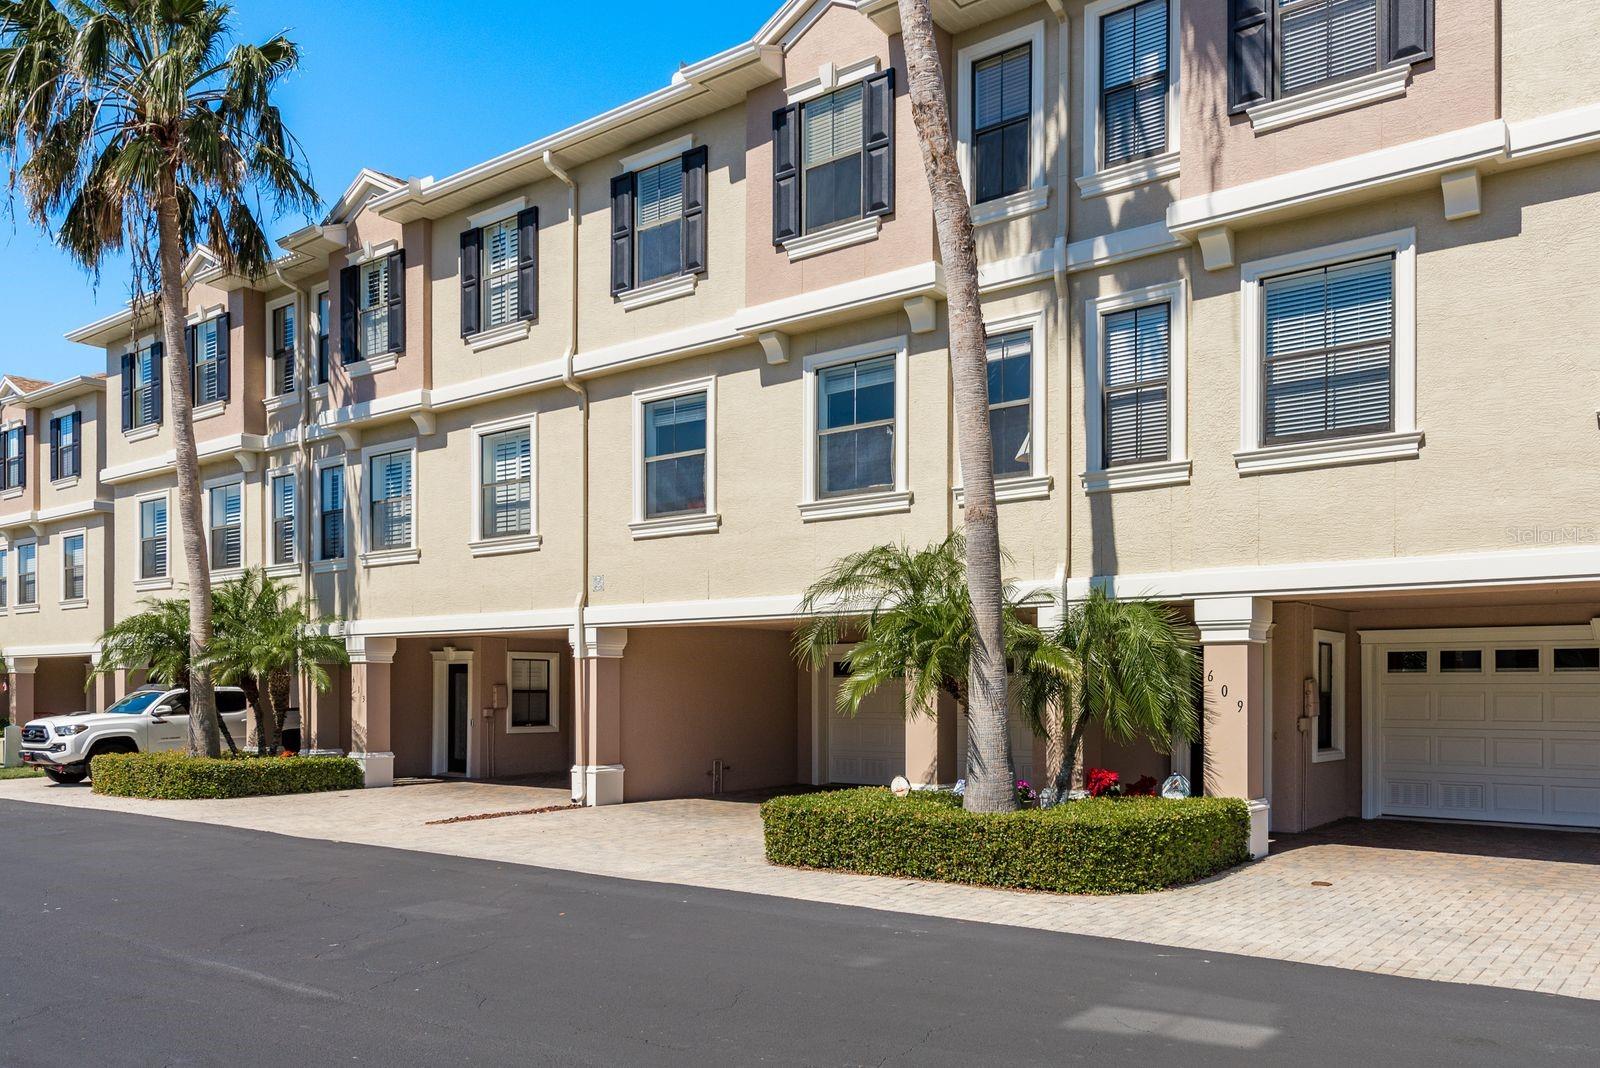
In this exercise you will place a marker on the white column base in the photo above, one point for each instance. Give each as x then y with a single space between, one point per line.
377 769
322 752
11 747
597 784
1260 809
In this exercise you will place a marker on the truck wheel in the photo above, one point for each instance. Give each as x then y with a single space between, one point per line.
66 776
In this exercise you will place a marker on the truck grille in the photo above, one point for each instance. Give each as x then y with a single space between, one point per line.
34 733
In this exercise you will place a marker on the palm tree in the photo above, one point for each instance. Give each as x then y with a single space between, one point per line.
264 639
913 619
133 124
988 736
155 641
1138 675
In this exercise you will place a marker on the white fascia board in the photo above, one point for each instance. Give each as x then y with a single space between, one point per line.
923 279
469 623
1577 130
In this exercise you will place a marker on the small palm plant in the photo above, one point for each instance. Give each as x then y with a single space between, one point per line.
908 612
264 639
1137 677
154 640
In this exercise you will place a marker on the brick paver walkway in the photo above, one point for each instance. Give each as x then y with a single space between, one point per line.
1495 907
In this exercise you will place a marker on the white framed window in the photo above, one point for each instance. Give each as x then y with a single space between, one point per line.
500 254
831 157
1015 349
66 445
1328 370
27 573
674 460
1323 41
153 537
373 294
283 505
533 683
505 503
1327 681
143 405
1136 370
282 325
74 567
206 380
658 225
855 461
225 524
1000 110
389 515
330 511
5 588
1131 67
324 328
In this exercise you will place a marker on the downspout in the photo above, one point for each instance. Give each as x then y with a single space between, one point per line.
302 480
1063 295
582 754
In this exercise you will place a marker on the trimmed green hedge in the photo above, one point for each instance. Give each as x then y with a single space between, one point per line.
1092 846
180 777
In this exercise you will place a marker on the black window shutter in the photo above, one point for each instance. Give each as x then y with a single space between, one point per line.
694 210
1249 54
621 233
471 259
5 460
22 452
528 264
785 174
191 354
1410 31
55 449
127 392
157 379
397 301
349 305
224 323
877 142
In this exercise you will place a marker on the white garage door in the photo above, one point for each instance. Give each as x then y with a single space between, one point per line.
869 747
1501 726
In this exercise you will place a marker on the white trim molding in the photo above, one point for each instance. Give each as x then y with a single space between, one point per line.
481 545
553 676
404 554
1096 180
479 219
669 288
1037 195
1405 439
878 502
830 77
708 521
833 238
1175 469
371 365
505 334
1330 99
649 157
1130 175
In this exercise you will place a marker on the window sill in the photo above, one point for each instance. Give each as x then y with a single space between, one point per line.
1014 488
373 365
390 557
142 433
1014 206
833 238
282 402
319 393
551 729
521 543
886 502
328 567
1129 175
1369 448
658 292
76 602
226 573
1326 756
11 494
282 570
673 525
1137 477
1330 99
64 483
25 610
208 411
504 334
146 585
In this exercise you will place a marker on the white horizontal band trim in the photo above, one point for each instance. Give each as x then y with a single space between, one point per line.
372 365
524 543
1330 99
390 557
1119 246
558 619
1467 635
500 335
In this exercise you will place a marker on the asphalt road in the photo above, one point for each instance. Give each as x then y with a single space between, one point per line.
138 941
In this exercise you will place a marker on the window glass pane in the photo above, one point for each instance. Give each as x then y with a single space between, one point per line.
72 559
331 512
1002 89
507 473
530 692
1408 661
283 519
1326 40
675 463
391 500
856 395
1516 660
374 305
27 573
500 252
1137 358
831 131
153 538
1325 709
1010 438
227 546
854 461
1580 659
1133 79
661 251
1461 660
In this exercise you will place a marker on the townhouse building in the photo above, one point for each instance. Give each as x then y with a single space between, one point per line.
1289 322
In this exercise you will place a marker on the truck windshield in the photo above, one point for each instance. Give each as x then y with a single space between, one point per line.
135 703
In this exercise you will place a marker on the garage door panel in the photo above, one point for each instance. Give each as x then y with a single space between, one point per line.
1518 753
1408 749
1463 706
1575 754
1519 798
1568 706
1579 804
1517 708
1403 706
1464 799
1463 752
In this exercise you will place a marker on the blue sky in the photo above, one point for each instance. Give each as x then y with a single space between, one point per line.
500 73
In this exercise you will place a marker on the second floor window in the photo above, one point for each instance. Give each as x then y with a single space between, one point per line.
5 594
330 512
283 350
153 538
324 312
855 427
658 224
375 283
506 467
1134 73
389 493
27 573
14 457
283 520
372 308
832 138
141 387
66 451
1136 363
208 361
832 158
74 570
227 526
1002 107
675 456
1010 402
500 273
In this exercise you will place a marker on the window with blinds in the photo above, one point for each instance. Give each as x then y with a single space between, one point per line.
74 569
1011 402
1322 41
1002 107
658 225
855 427
506 470
146 396
207 363
831 138
283 520
283 345
12 449
153 538
530 692
330 512
375 307
1136 363
5 593
27 573
1329 354
324 325
500 249
65 447
675 456
1134 66
390 493
227 527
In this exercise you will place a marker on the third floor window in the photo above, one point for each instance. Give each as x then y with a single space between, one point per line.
1278 48
141 387
1134 82
208 360
372 308
658 221
832 158
66 450
283 346
1002 106
499 271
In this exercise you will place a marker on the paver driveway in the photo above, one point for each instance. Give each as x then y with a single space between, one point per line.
1475 905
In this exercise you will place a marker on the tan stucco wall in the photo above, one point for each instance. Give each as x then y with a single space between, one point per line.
1540 75
58 686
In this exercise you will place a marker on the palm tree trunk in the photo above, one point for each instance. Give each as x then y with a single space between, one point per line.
991 779
258 710
269 722
205 736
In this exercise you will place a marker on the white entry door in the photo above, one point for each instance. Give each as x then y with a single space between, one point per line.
868 748
1493 725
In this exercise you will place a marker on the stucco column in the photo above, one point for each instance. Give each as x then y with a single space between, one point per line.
106 688
1234 632
19 672
371 660
931 741
597 712
322 717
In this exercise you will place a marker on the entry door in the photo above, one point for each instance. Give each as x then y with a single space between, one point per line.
868 748
457 716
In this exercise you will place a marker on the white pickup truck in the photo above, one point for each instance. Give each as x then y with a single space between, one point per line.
149 719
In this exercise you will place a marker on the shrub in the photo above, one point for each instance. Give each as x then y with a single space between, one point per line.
1091 846
179 777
